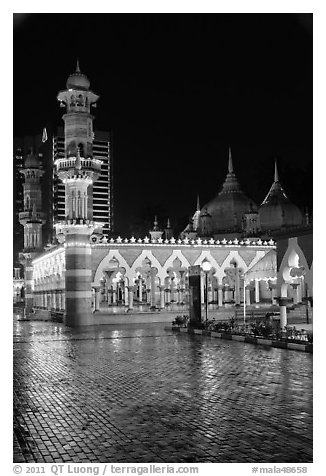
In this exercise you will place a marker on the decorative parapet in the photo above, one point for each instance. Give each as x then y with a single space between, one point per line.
270 244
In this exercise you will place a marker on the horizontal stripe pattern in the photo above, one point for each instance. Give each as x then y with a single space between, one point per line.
78 294
78 272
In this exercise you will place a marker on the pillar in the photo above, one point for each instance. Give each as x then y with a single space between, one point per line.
295 292
114 294
97 298
126 295
152 295
162 295
210 293
166 297
202 289
172 291
131 297
248 296
283 313
140 290
256 290
78 295
220 295
237 296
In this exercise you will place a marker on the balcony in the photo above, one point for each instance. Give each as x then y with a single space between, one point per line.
28 215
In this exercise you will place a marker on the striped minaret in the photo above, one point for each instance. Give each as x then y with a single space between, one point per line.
78 170
32 220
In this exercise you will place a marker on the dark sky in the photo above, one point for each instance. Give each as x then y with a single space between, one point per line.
176 90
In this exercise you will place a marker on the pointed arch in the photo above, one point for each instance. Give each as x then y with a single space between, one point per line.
105 263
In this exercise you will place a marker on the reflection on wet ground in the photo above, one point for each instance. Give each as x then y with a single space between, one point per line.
139 393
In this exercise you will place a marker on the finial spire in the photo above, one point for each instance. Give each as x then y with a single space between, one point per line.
77 66
168 225
198 204
276 172
230 168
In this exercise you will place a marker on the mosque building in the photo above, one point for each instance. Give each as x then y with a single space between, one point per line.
86 274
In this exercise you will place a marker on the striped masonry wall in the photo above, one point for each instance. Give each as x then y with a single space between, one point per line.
78 295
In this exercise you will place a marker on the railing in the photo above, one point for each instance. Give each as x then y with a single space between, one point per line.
70 163
29 213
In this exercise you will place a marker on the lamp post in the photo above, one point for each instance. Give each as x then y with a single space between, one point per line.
206 267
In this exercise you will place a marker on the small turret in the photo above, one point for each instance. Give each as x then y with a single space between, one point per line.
155 233
168 231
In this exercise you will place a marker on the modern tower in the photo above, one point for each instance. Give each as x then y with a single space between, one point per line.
32 219
78 170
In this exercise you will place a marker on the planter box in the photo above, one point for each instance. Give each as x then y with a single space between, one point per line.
226 336
183 329
297 347
238 338
216 334
250 339
206 333
279 344
198 331
174 328
309 348
264 341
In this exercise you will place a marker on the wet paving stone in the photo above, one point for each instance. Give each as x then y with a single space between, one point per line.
139 393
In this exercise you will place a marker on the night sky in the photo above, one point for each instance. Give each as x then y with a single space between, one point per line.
176 90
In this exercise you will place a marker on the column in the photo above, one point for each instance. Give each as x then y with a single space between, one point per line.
237 297
182 291
131 296
162 295
210 292
220 295
248 296
283 314
126 295
114 294
152 294
202 289
140 287
97 298
295 292
172 287
256 290
167 292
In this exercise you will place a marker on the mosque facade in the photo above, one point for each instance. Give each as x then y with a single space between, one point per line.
86 273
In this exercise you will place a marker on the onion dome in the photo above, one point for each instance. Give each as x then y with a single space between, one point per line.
229 206
32 161
277 211
78 80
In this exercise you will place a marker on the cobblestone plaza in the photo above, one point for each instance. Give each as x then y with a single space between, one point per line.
140 393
